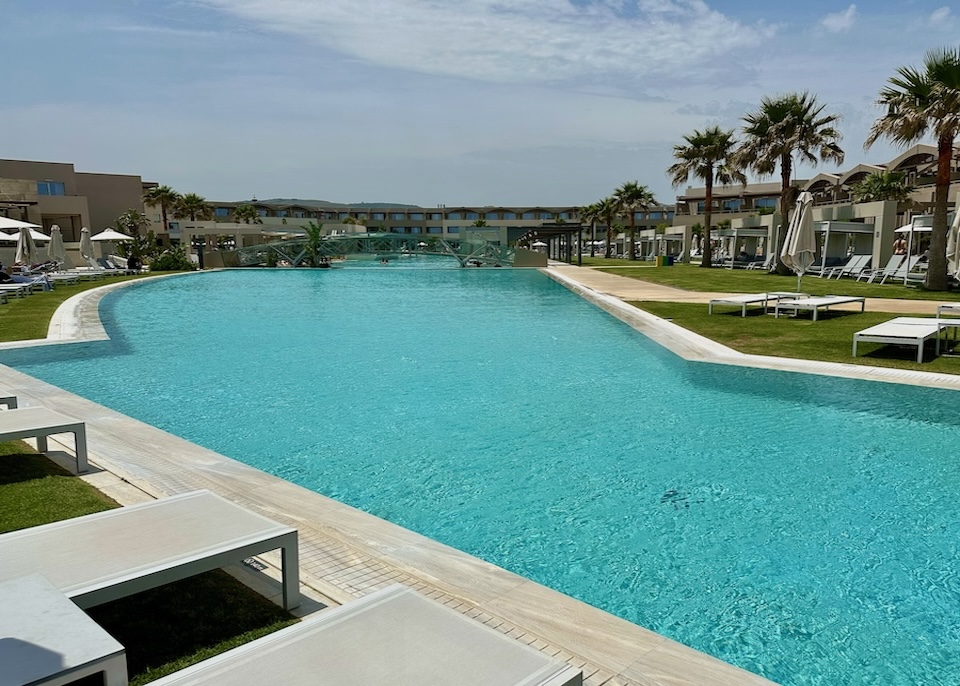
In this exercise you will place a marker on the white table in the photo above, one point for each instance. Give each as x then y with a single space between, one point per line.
9 400
46 639
41 423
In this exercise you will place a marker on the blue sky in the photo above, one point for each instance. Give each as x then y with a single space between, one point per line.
510 102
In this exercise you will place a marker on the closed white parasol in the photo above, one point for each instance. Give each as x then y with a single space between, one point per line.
800 243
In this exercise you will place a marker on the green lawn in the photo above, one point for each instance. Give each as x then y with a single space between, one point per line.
24 319
718 280
830 338
163 630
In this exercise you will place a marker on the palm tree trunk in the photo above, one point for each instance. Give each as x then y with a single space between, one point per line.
633 233
786 205
937 263
706 251
606 248
593 238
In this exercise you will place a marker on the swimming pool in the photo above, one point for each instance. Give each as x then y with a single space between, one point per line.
801 527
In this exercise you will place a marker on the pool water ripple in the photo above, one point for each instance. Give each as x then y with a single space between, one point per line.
801 527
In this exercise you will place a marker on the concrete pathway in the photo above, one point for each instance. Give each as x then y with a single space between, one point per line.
626 288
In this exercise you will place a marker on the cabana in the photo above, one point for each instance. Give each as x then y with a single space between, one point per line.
839 240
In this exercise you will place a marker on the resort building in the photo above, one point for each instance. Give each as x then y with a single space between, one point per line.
48 193
746 217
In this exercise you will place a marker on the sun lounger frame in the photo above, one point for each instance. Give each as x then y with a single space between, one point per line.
392 636
41 423
110 555
915 331
816 304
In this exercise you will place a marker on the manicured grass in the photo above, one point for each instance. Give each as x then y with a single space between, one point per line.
830 338
164 629
719 280
24 319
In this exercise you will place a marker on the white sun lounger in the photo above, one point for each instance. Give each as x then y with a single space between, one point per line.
109 555
46 639
915 331
393 636
19 290
815 304
742 301
40 423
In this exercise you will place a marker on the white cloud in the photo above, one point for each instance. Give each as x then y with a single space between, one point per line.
939 16
521 41
840 22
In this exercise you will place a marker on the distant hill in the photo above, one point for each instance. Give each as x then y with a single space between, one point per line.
326 203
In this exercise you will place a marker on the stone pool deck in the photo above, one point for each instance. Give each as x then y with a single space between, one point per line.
346 553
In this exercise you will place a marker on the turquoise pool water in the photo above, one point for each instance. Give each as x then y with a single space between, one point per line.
804 528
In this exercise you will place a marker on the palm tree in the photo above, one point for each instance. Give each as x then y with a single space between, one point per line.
708 156
591 215
166 198
313 244
246 214
918 102
607 213
132 221
631 197
884 185
785 126
193 207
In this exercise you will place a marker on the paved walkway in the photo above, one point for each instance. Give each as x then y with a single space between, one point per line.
627 288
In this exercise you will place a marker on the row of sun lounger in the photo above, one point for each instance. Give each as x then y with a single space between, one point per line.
49 572
784 302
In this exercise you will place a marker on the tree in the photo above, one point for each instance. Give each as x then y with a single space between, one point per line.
131 221
708 155
246 214
918 102
608 213
782 127
193 207
884 185
314 241
591 215
479 223
629 198
164 197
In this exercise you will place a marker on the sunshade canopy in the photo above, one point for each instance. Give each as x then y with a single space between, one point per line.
111 235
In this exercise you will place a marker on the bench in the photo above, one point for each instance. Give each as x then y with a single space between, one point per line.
110 555
40 423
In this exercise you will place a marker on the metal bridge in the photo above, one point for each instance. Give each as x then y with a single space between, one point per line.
468 252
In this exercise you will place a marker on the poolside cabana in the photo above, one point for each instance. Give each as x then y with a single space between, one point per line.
738 240
838 240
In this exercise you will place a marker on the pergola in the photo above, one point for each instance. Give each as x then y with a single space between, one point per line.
559 239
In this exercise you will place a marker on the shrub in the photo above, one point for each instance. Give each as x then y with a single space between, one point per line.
172 260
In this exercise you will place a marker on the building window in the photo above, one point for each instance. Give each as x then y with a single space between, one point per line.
416 229
546 215
471 215
509 215
396 229
261 213
436 216
222 212
51 188
397 216
656 215
299 214
281 213
491 215
378 216
765 202
701 206
529 215
174 227
434 229
670 215
732 205
454 215
417 216
453 229
566 215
